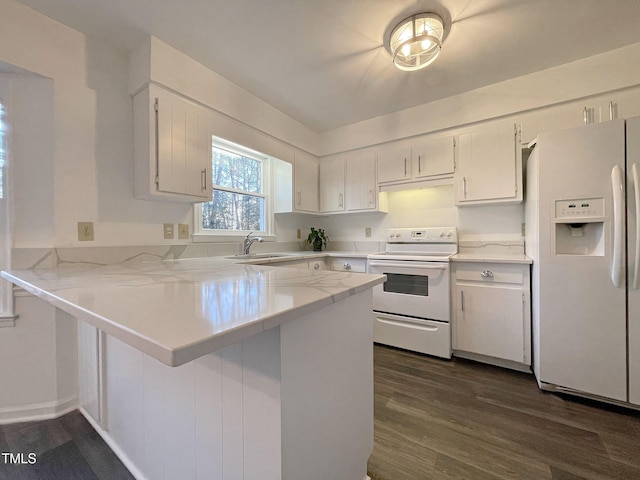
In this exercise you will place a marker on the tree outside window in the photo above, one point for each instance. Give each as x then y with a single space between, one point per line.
238 195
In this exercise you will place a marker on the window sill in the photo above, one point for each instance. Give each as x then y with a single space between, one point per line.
225 238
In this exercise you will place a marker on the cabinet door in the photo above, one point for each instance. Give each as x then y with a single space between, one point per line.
182 146
305 172
489 168
332 185
435 157
360 184
394 163
490 321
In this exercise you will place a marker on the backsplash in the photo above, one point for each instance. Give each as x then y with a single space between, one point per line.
29 258
491 247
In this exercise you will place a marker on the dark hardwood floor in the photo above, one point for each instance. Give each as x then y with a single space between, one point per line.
434 419
446 420
66 448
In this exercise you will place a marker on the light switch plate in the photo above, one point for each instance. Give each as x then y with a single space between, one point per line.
367 232
183 231
168 231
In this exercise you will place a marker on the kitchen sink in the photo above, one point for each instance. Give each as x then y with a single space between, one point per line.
251 256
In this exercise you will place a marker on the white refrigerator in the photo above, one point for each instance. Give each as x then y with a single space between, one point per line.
582 209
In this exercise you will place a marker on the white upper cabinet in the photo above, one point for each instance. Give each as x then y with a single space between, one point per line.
422 159
360 187
349 184
394 163
489 167
172 147
305 179
434 157
332 176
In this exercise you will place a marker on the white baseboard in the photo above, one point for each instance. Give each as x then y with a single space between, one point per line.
40 411
133 469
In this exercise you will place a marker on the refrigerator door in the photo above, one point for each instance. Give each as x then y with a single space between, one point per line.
581 327
633 248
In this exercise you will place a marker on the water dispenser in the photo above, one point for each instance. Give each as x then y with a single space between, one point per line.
579 227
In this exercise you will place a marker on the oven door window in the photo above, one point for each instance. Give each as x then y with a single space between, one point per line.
407 284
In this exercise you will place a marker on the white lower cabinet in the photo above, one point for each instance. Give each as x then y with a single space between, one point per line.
347 264
304 264
492 316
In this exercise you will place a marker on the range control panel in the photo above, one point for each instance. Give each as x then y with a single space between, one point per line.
422 235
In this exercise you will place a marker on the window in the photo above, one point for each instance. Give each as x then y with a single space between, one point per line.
241 201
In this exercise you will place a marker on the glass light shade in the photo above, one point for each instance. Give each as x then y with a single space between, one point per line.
415 42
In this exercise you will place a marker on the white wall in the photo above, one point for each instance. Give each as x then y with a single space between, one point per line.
85 162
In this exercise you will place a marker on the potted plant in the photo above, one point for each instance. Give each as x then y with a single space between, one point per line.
317 238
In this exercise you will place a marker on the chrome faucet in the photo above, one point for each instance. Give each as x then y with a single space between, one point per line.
248 241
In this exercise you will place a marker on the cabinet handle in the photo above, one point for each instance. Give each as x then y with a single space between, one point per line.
299 197
346 266
316 266
486 274
341 200
464 187
462 300
203 179
419 164
405 166
611 110
370 197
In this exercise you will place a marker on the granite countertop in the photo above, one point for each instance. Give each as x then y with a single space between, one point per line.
179 310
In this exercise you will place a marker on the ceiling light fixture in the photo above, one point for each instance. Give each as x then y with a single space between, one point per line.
415 42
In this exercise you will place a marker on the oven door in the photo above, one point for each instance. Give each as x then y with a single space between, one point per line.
413 288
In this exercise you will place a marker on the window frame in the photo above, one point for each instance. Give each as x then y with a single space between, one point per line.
201 234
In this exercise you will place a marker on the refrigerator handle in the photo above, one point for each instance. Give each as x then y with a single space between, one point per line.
617 267
636 193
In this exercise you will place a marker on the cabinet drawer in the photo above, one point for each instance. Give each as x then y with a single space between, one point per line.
317 264
345 264
492 272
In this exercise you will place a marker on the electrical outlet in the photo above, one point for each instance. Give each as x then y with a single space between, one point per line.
183 231
298 233
523 229
367 232
85 231
168 231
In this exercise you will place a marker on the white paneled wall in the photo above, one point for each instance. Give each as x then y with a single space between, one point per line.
293 402
216 417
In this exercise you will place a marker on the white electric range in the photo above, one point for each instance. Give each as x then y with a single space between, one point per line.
412 309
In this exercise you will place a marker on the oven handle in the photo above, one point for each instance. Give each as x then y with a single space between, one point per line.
408 325
408 264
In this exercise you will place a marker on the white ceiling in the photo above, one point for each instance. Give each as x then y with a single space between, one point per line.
323 62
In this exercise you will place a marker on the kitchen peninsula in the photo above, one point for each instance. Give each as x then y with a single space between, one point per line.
210 368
